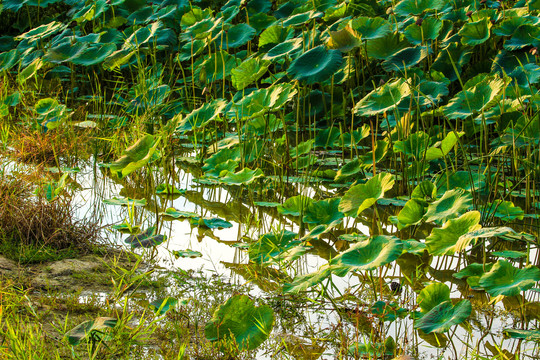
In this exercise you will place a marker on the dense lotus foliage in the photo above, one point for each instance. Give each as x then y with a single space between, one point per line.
385 137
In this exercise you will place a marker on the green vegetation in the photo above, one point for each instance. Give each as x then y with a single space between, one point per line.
374 166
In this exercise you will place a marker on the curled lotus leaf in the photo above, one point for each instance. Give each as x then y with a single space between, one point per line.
432 295
476 32
429 30
362 196
344 40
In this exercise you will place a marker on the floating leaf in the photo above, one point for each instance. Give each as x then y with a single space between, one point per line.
186 254
243 177
176 214
146 239
166 189
211 223
360 197
125 201
238 318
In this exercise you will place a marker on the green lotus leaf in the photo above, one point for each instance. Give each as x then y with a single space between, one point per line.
30 71
193 16
367 255
509 254
8 59
191 49
525 35
526 75
304 282
295 205
15 5
323 212
474 99
504 279
239 319
66 51
237 35
302 18
412 213
446 145
428 31
475 33
210 223
508 26
348 170
176 214
146 239
426 190
216 67
222 168
443 316
417 7
383 99
186 254
528 335
450 205
274 35
405 58
243 177
42 32
469 181
202 29
248 72
381 48
473 270
451 59
262 125
261 21
371 28
413 246
430 93
415 145
94 54
125 201
302 148
89 328
326 138
136 156
263 100
126 228
162 306
143 36
315 65
465 239
286 48
362 196
202 116
442 241
270 246
344 40
505 210
432 295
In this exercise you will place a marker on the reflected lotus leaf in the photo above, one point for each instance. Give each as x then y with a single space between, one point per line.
315 65
367 255
504 279
186 254
176 214
125 201
442 241
210 223
166 189
239 319
443 316
362 196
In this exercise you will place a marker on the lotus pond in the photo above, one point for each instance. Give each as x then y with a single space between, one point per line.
292 179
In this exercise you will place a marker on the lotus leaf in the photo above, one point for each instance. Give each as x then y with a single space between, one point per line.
238 318
405 58
162 306
8 59
465 240
367 255
125 201
146 239
348 169
136 156
41 32
237 35
166 189
303 282
446 145
176 214
525 35
382 48
202 116
271 245
371 28
415 145
315 65
528 335
248 72
216 67
432 295
274 35
89 328
461 179
383 99
94 54
222 168
362 196
429 30
473 270
295 205
243 177
443 241
286 48
450 205
323 212
475 33
509 254
505 210
418 7
443 316
412 213
344 40
302 18
504 279
477 98
30 71
451 59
